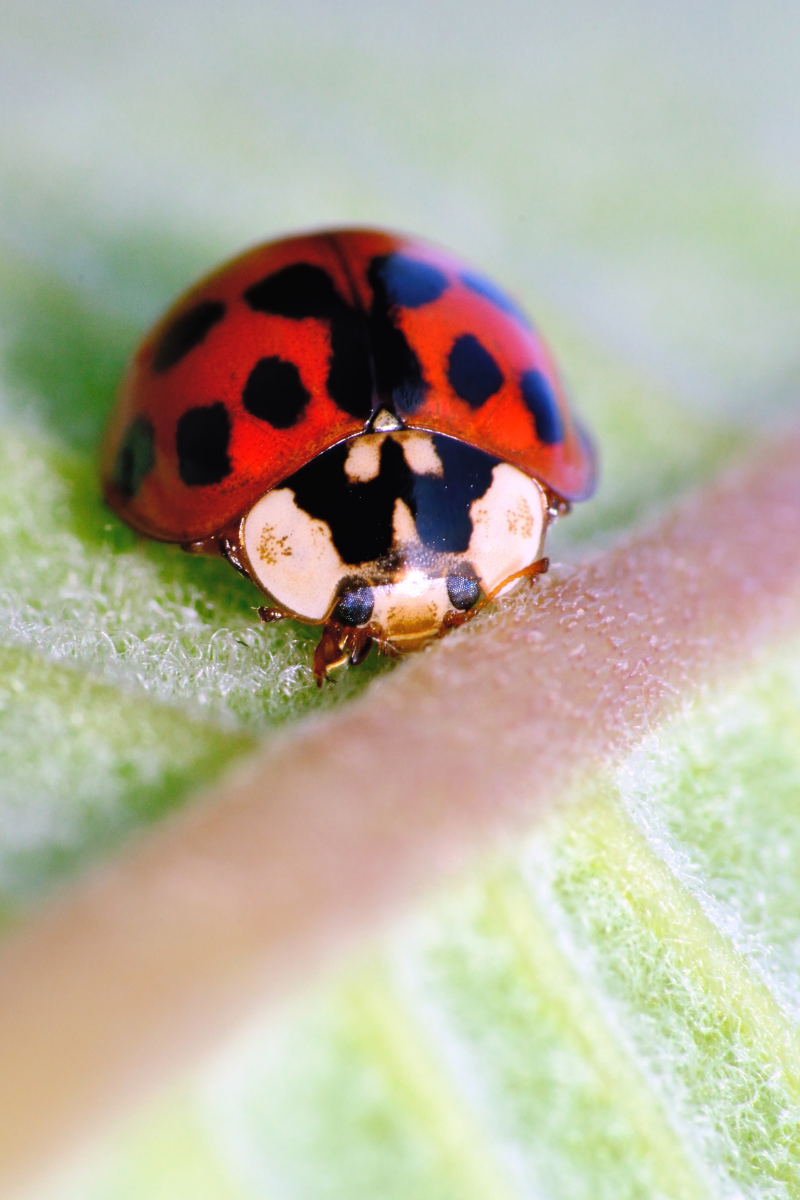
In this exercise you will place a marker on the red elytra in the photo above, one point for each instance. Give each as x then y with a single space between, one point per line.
349 322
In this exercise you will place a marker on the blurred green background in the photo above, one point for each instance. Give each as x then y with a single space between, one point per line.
613 1010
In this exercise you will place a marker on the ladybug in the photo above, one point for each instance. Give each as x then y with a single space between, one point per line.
365 427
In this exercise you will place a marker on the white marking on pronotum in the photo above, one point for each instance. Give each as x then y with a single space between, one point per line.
292 555
508 526
420 453
404 530
363 461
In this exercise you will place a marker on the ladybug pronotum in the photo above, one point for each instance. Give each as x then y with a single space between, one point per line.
363 426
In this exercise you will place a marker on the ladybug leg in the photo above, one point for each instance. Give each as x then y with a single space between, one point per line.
270 615
340 644
332 650
540 567
360 645
209 546
456 618
229 548
384 647
225 543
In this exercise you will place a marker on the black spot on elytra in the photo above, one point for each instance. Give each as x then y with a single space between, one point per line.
372 365
541 402
399 380
409 282
274 392
202 439
302 292
297 292
495 295
473 373
463 591
135 457
355 606
186 331
360 515
350 381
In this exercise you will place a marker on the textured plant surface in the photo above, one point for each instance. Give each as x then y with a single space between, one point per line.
610 1008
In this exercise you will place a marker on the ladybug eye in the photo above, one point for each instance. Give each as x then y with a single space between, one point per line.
355 607
463 591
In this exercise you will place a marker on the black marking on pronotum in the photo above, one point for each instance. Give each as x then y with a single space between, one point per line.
135 457
355 606
275 393
542 404
473 374
360 515
186 331
443 502
484 287
201 441
463 591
